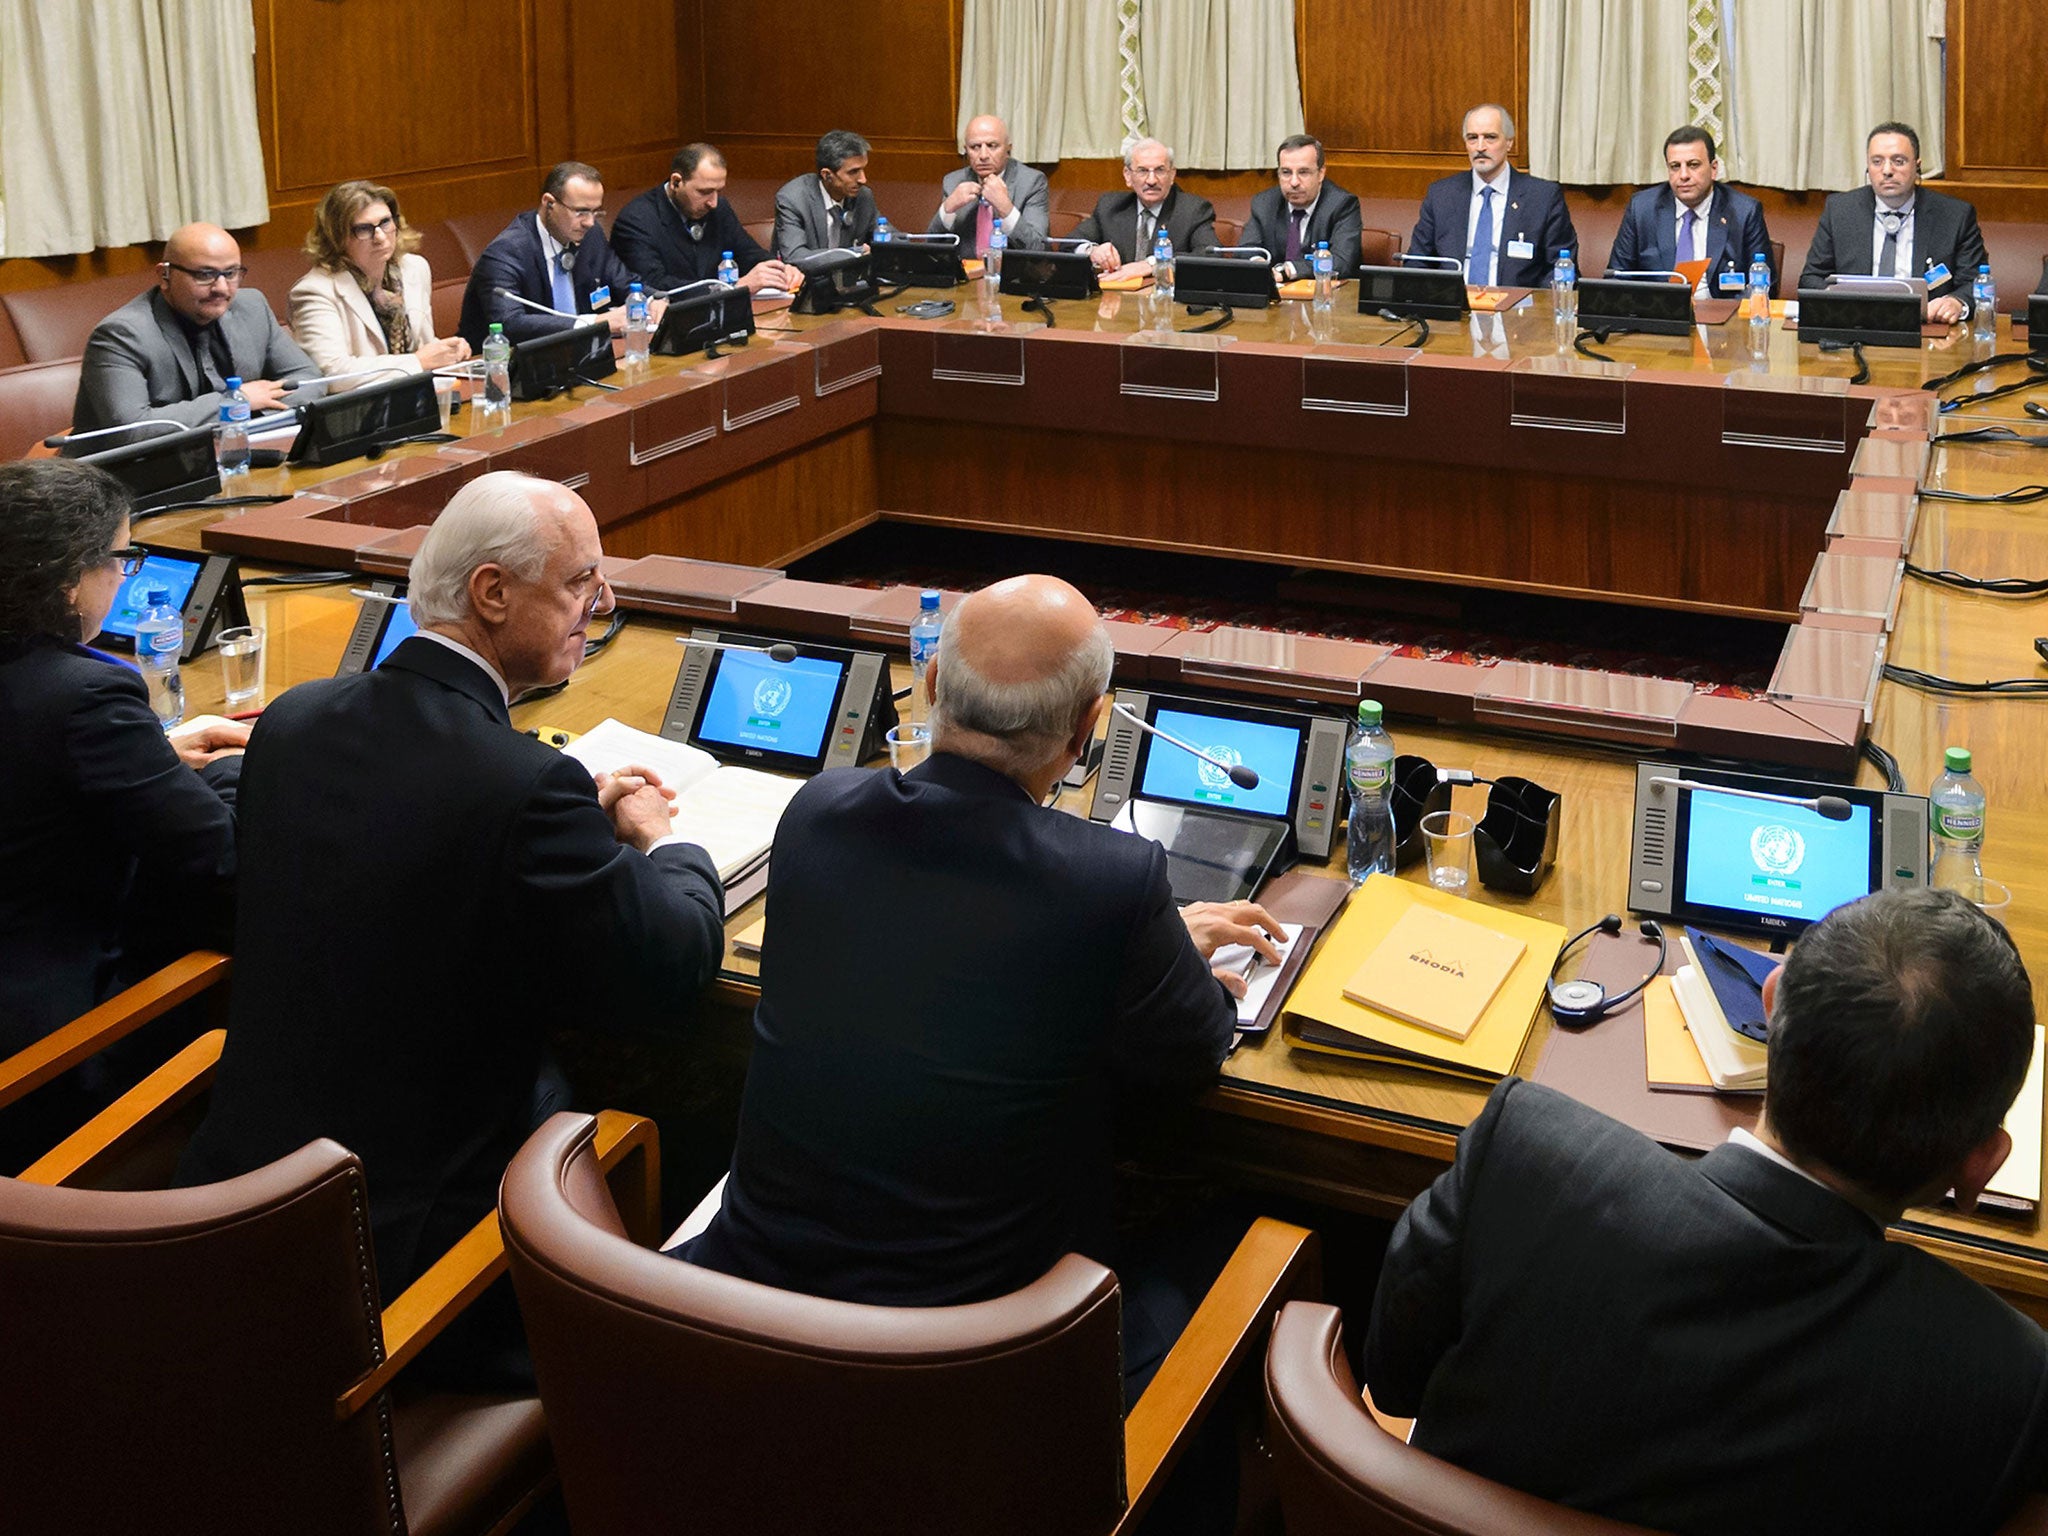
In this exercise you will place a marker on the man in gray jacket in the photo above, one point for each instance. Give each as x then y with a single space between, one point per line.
993 189
831 209
169 353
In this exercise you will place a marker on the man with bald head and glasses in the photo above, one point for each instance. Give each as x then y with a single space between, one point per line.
426 892
168 353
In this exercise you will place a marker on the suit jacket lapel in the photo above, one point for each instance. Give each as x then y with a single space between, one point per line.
174 339
1864 255
358 303
1717 228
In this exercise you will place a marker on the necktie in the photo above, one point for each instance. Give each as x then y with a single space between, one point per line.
837 214
1888 258
984 225
1479 264
1295 221
1688 237
565 289
1147 224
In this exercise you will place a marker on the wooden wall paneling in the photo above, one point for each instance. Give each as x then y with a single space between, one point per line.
1995 118
622 78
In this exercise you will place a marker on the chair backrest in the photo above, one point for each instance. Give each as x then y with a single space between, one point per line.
173 1357
1379 247
674 1392
35 403
1341 1474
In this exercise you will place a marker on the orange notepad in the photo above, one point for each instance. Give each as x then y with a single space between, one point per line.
1437 970
1674 1063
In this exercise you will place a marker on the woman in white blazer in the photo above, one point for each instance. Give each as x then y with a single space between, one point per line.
369 300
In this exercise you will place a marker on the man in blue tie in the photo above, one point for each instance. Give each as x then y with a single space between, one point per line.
555 258
1504 227
1693 217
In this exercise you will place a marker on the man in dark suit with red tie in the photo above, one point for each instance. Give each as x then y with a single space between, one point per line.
1303 210
1503 226
1894 227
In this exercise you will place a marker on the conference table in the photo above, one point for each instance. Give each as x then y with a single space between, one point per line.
876 445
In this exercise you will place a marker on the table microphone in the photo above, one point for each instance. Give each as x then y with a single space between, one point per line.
1417 259
1243 776
545 309
669 293
1235 250
1833 807
341 383
62 438
781 651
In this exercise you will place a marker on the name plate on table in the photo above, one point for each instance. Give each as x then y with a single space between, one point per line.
1887 515
965 358
1167 365
668 420
1365 381
1846 591
847 355
1568 394
1839 667
1768 410
762 389
698 588
1614 706
406 493
1265 661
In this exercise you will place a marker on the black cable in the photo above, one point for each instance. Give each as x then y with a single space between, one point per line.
381 449
1418 324
1997 586
2019 495
1579 345
612 627
2005 687
301 579
1886 764
1043 306
1984 397
1993 435
197 506
1980 366
1207 325
1855 348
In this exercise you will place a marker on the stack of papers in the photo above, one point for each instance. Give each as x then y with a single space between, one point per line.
730 812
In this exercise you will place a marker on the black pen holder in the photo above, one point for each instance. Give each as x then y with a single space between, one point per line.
1516 840
1416 793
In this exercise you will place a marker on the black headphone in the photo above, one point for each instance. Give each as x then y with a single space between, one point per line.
1585 1002
567 258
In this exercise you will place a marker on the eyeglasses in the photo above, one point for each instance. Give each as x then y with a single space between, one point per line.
601 599
593 215
130 559
383 226
206 277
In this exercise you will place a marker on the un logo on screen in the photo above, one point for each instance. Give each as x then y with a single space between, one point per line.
1213 777
1777 850
772 696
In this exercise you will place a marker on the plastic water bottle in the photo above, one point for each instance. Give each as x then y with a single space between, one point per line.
1162 264
1983 307
1564 289
636 324
728 270
883 233
231 437
992 258
159 636
1369 771
497 370
1956 810
1756 296
1325 266
924 644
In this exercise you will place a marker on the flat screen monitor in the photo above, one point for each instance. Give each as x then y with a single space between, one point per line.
1224 282
1413 293
1048 274
381 624
547 365
705 321
1650 306
918 263
1270 743
202 588
834 280
1845 315
1767 866
348 422
772 714
164 469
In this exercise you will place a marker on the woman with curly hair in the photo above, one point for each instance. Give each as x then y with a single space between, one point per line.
368 303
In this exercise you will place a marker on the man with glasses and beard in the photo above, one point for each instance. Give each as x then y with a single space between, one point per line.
168 353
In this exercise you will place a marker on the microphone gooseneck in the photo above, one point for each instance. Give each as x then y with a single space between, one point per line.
1241 774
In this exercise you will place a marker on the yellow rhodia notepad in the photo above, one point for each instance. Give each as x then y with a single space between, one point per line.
1437 970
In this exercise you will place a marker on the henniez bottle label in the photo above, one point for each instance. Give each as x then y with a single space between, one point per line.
1957 825
1371 777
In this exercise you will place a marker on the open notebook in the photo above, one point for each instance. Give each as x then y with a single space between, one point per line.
730 812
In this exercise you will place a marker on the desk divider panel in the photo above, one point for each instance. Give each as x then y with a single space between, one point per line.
584 449
760 386
1613 706
1169 365
669 415
847 355
988 358
1368 381
1763 410
1852 591
1864 514
886 617
1891 456
1304 667
399 493
707 589
1569 394
1837 667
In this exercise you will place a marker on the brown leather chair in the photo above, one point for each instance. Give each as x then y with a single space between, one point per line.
11 354
1070 205
182 1361
1341 1474
762 233
272 273
1379 247
35 403
676 1393
53 323
473 231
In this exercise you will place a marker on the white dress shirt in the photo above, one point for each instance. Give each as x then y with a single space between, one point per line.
1902 265
1742 1138
467 654
1499 183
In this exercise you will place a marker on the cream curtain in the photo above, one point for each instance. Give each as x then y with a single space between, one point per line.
122 119
1215 79
1810 78
1221 84
1608 79
1047 68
